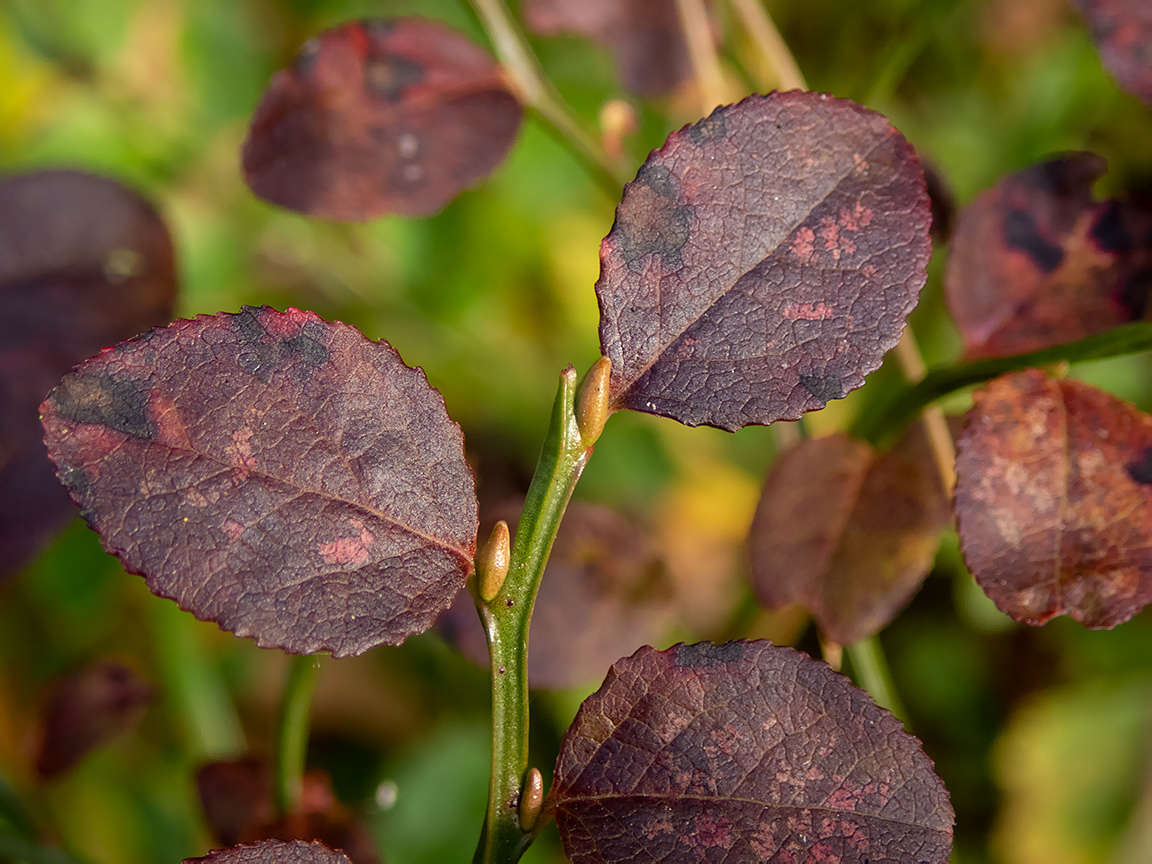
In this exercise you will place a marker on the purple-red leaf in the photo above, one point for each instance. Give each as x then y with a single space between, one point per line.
743 752
239 808
380 116
88 709
84 263
1123 33
273 852
275 473
1037 262
762 261
846 532
644 36
604 594
1054 500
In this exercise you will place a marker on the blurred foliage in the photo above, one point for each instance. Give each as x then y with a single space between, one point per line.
1042 736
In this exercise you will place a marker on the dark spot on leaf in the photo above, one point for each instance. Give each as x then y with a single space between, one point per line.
651 219
308 345
1134 291
1109 230
259 355
1021 234
1140 470
705 654
389 75
711 127
101 400
823 387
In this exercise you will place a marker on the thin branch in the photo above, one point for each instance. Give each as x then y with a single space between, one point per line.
536 92
771 44
933 419
702 51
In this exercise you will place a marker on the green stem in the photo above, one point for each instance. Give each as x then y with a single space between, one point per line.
882 420
870 667
535 91
292 731
506 618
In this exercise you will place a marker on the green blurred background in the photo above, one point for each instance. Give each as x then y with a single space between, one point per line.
1041 735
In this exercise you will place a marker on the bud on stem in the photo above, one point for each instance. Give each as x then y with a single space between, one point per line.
592 402
493 560
531 799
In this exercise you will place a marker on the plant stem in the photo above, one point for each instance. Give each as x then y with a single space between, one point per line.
870 667
933 420
770 43
702 52
292 731
536 92
506 618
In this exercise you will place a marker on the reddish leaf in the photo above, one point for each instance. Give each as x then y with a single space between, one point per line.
84 263
762 261
847 533
380 116
743 752
274 473
1123 33
273 852
88 709
604 594
1036 262
644 36
1054 500
238 807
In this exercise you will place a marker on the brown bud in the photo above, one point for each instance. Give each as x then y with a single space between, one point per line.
592 402
531 799
493 560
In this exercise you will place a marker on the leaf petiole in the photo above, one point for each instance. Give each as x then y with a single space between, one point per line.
506 617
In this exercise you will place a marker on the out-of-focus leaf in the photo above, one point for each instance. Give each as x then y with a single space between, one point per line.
1037 262
644 36
380 116
275 473
743 752
1123 33
604 594
86 710
238 807
1054 500
273 852
846 532
762 261
84 263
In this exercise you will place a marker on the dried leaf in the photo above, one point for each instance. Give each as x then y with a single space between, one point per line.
272 472
604 594
762 261
743 752
273 852
380 116
644 36
88 709
1036 262
846 532
1053 495
1123 33
84 263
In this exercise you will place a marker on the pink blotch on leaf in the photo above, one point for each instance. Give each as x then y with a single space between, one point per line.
348 550
803 242
809 311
